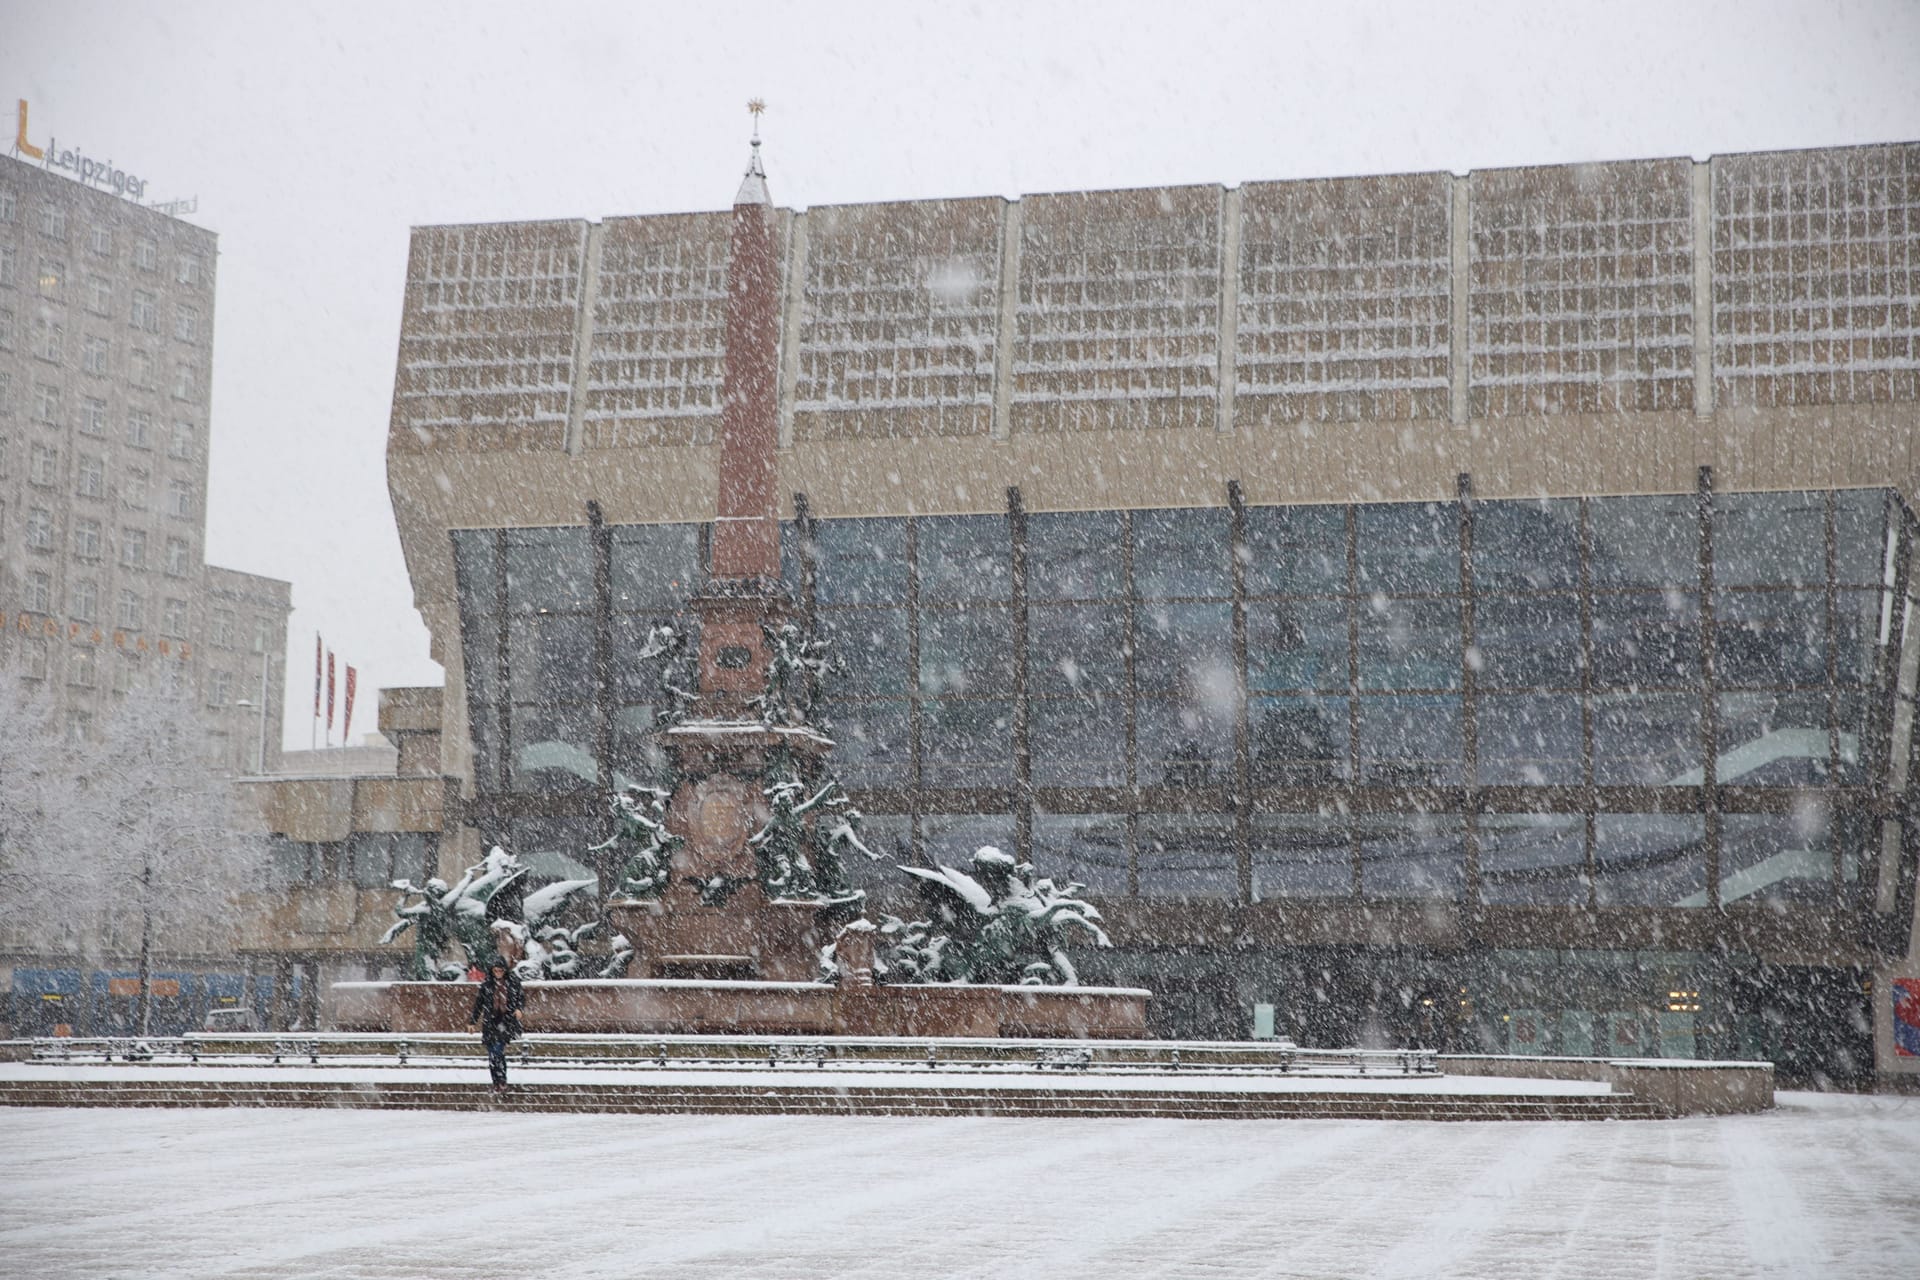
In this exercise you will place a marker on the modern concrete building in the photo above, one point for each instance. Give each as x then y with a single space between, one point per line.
1466 609
106 352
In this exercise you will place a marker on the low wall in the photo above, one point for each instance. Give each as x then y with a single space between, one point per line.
668 1006
1677 1086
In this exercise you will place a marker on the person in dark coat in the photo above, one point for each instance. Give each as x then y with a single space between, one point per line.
496 1008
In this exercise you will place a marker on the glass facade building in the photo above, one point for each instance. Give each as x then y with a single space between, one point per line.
1612 723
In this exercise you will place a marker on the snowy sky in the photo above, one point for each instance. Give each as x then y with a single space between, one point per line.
315 135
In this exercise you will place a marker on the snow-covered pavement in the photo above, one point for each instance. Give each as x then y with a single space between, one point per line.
1822 1186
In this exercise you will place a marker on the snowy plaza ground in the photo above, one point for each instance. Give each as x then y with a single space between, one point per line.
1822 1186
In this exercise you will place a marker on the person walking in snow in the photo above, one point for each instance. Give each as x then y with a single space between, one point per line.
496 1008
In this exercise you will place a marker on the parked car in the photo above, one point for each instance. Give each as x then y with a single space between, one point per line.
230 1020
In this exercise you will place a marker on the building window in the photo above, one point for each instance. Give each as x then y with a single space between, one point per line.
6 394
186 383
125 671
132 612
140 368
42 464
40 529
222 629
53 278
140 428
186 323
93 416
219 692
80 667
145 314
177 557
262 634
34 651
53 221
180 498
99 296
8 268
93 355
100 241
181 446
85 605
189 268
9 206
146 255
6 330
90 477
46 404
173 617
133 548
39 591
133 494
49 341
86 539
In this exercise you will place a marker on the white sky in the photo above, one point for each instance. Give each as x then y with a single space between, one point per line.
316 135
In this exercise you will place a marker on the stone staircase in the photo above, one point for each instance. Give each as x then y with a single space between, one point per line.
920 1098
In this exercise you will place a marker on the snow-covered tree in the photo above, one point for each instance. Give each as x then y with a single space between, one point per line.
117 835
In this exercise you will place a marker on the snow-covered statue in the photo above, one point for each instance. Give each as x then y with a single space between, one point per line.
679 679
466 913
640 832
996 923
796 663
800 851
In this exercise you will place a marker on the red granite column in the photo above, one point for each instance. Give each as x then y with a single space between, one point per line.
746 539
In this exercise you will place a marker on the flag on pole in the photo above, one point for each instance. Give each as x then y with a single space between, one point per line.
329 695
346 721
316 675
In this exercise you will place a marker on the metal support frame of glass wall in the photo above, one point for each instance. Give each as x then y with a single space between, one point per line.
1677 701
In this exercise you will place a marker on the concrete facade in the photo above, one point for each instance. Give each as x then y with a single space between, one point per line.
106 356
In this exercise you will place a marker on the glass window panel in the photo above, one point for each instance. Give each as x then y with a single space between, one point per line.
1187 857
1089 848
370 859
1767 538
873 742
1765 639
1186 647
1528 642
1646 541
549 569
1526 545
890 836
1297 644
860 561
473 562
1773 739
1533 859
952 838
1850 715
1077 742
1296 550
1298 742
550 658
1421 855
1409 644
1410 741
555 848
965 558
655 567
1856 635
1528 740
1861 536
1301 855
637 679
638 755
1780 858
1408 547
968 743
1182 552
867 651
966 650
1075 555
1646 640
553 747
1076 648
1646 739
479 646
1183 744
1650 860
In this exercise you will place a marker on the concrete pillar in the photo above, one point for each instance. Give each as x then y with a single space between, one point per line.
583 338
790 326
1703 289
1008 333
1229 306
1460 353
